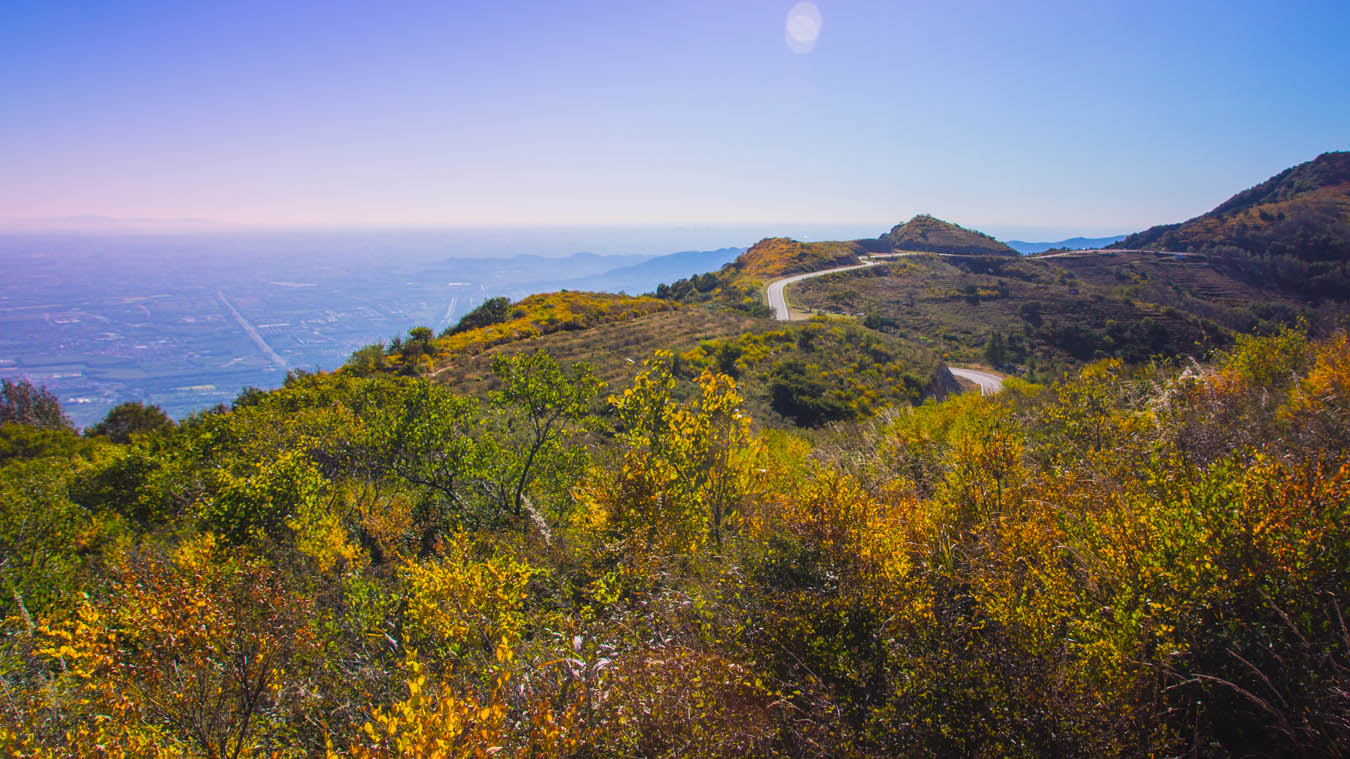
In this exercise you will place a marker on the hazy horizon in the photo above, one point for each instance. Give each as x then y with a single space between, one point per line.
601 239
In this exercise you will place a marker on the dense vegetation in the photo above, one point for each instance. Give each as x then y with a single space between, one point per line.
821 371
775 257
1132 562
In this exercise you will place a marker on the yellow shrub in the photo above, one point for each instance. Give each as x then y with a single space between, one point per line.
458 601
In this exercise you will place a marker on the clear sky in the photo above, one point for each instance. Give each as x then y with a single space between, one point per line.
1038 116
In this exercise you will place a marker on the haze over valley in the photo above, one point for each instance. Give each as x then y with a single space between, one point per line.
186 321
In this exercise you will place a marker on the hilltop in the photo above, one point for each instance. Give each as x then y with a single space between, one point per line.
928 234
779 256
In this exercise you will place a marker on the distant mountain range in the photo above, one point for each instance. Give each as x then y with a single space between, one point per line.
644 276
1073 243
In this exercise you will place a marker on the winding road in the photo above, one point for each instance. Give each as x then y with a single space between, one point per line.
778 300
988 383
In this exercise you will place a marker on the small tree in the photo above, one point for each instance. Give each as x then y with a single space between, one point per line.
367 360
21 403
996 350
538 398
130 418
491 311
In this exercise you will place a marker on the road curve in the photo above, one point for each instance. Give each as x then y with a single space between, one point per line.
777 299
989 383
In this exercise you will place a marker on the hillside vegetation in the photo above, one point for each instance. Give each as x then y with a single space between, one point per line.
497 322
1048 314
779 256
1127 563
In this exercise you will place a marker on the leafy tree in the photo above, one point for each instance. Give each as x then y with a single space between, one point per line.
996 350
424 435
489 312
21 403
368 360
684 466
538 397
131 418
418 350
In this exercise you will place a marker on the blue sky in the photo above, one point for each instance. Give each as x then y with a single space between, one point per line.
1014 117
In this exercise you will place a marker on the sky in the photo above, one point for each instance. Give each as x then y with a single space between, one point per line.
1016 118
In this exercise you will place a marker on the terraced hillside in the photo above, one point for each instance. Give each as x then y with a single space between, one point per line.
1202 285
612 350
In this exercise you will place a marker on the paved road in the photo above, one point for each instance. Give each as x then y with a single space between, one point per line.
989 383
253 333
778 301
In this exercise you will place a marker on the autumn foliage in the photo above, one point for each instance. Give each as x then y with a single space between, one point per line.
1135 561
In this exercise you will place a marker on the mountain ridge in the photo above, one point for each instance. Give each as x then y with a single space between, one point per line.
1303 211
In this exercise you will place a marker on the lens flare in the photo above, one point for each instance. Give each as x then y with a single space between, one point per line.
803 27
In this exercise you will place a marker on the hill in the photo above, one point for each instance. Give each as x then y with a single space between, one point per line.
779 256
1291 231
1047 314
928 234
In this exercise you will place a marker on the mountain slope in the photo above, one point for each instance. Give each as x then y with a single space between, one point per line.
1302 212
925 233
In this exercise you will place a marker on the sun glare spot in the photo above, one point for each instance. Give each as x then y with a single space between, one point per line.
803 27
